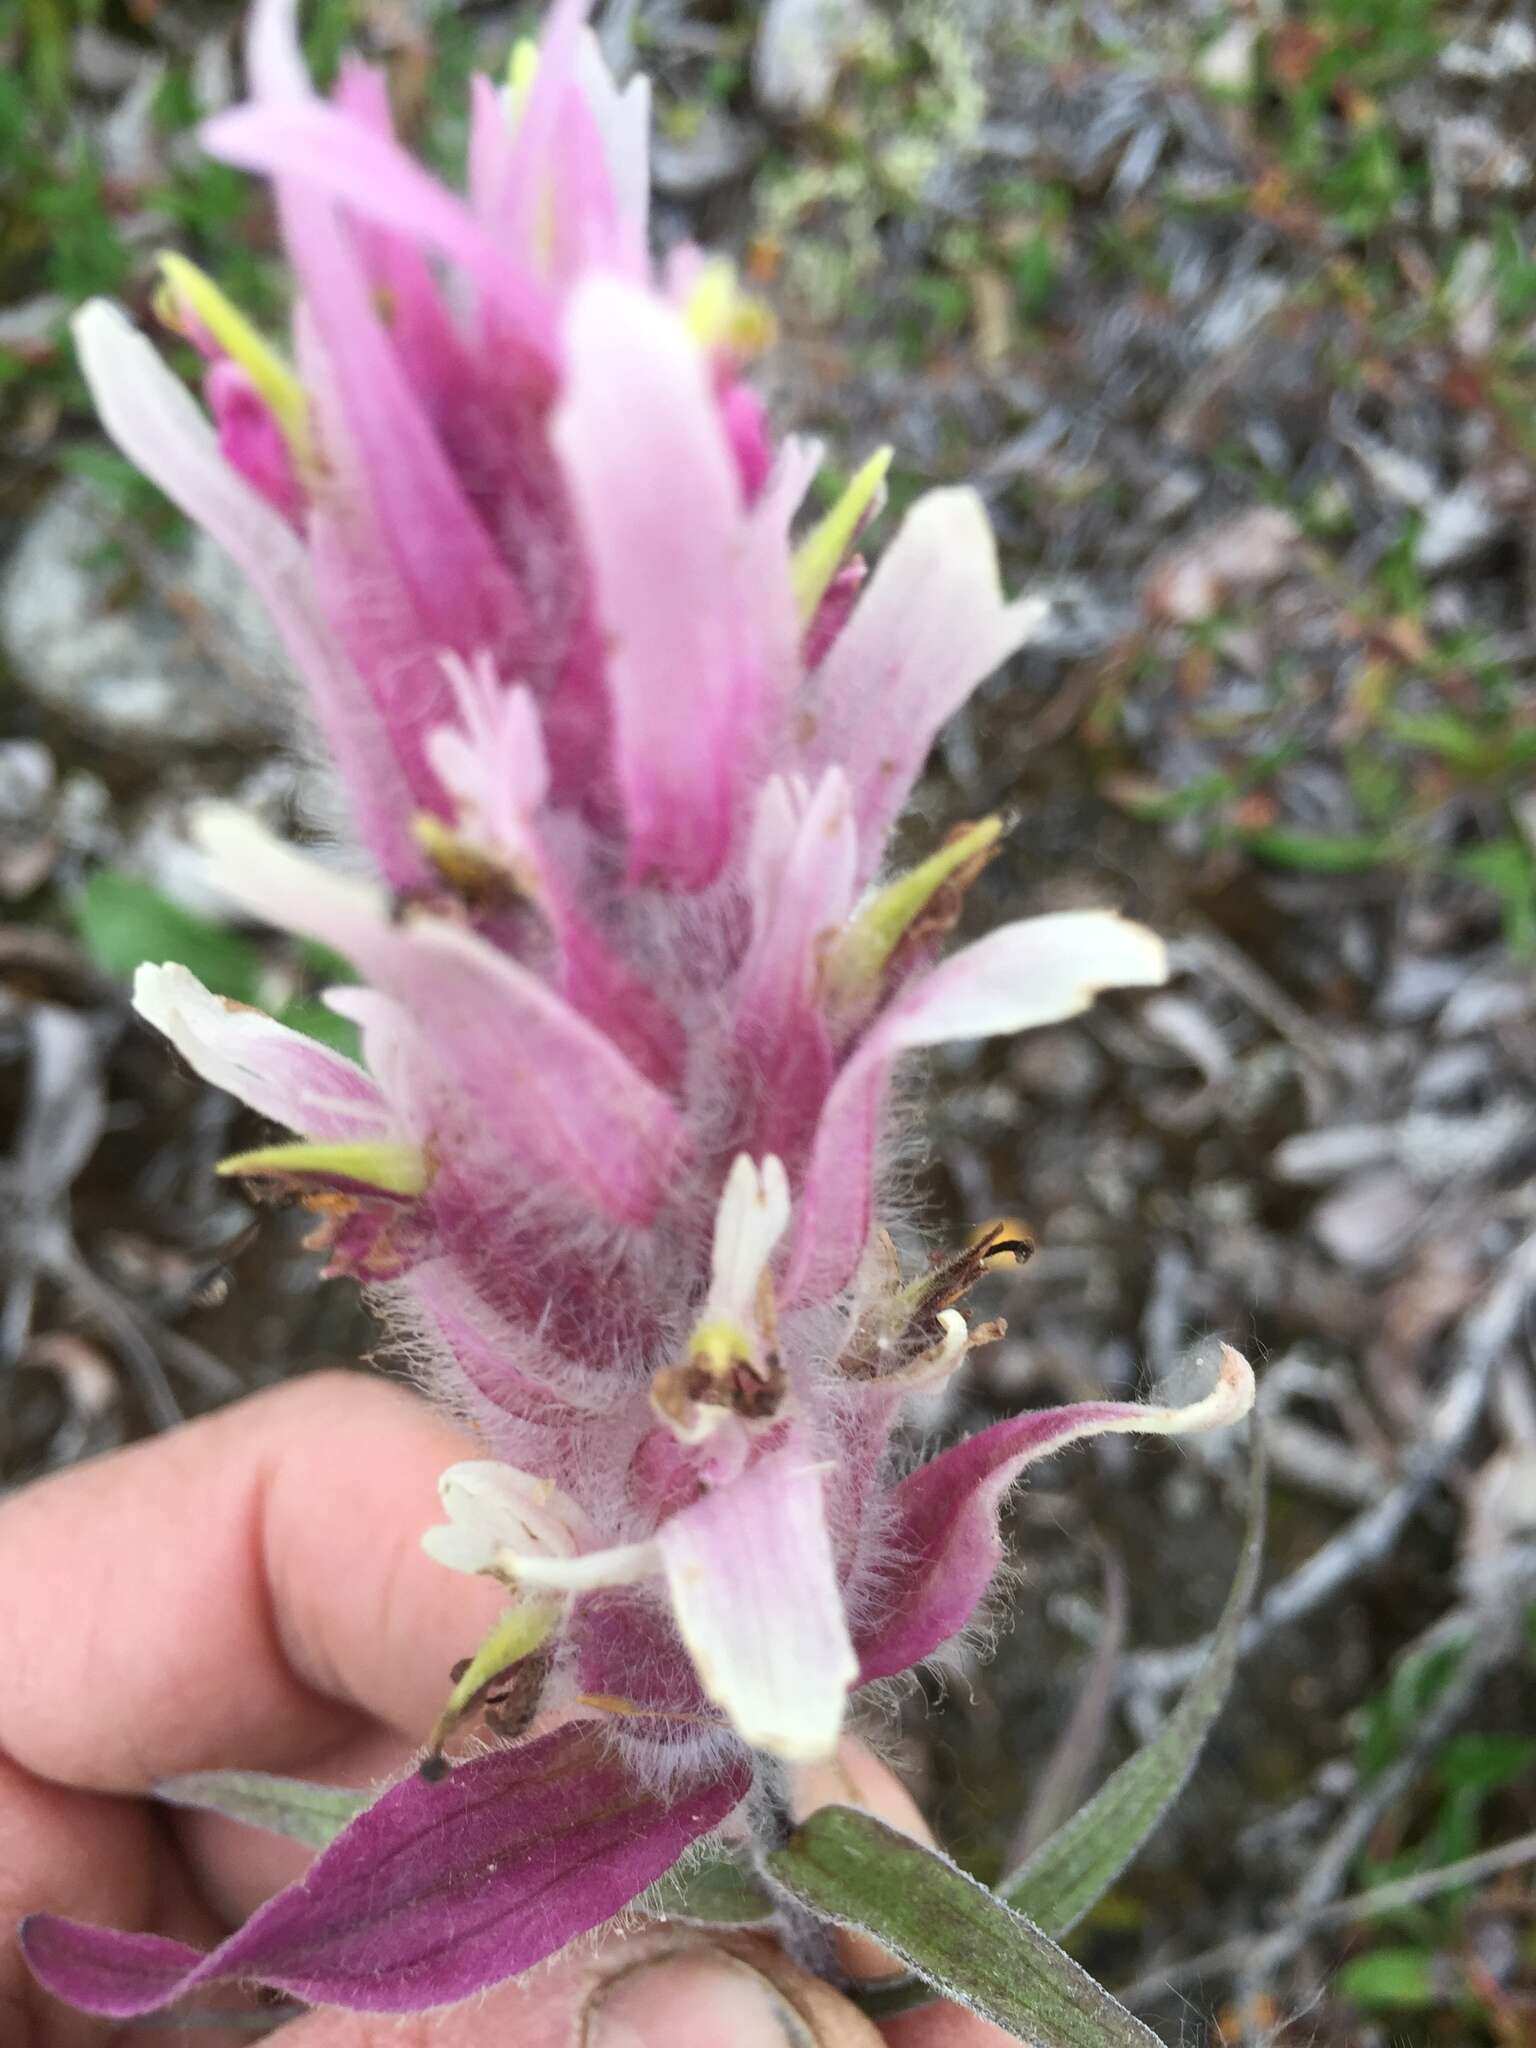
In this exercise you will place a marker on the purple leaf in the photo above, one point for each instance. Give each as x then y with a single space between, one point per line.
944 1520
433 1893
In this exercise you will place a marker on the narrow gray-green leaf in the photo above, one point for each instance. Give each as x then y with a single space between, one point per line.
851 1868
1068 1874
312 1814
715 1891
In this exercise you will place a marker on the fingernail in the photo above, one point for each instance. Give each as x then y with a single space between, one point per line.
693 2001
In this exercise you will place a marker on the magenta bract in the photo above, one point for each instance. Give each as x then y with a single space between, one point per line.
432 1893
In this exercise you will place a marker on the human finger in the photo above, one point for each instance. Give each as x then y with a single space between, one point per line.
93 1858
249 1589
669 1989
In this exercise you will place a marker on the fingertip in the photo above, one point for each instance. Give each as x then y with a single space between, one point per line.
856 1777
247 1589
381 1625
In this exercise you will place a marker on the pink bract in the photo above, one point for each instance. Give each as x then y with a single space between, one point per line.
622 733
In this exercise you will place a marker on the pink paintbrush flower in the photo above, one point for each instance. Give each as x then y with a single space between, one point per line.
623 736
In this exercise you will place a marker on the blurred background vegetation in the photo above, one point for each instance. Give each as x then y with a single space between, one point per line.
1230 310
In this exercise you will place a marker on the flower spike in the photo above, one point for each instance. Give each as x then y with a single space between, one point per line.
621 732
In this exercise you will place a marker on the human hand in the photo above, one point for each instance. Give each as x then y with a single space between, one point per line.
250 1590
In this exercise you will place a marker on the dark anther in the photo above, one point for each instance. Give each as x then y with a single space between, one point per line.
1022 1248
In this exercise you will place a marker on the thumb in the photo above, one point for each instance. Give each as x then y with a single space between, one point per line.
742 1990
668 1989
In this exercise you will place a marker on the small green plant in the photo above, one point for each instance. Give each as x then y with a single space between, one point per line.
1416 1966
1514 269
125 922
1393 1979
1325 74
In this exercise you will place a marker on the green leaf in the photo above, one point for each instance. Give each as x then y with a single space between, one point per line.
323 968
1484 1763
1390 1980
1507 866
851 1868
309 1015
1417 1681
1324 853
324 964
312 1814
1035 274
715 1892
1455 740
124 921
1068 1874
132 494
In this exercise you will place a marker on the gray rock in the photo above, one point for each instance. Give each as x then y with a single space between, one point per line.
1453 1073
1436 1149
719 149
1417 986
1228 63
1370 1219
1314 1158
1456 527
27 846
801 46
27 780
1191 1031
1468 154
30 326
1484 1001
1503 52
1065 1066
189 660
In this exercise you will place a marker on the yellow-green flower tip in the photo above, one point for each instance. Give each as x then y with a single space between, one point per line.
820 555
720 315
857 959
479 876
522 69
392 1169
520 1631
185 286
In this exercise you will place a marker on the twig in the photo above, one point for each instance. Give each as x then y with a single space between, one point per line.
192 1360
1486 1334
64 1115
138 1354
1063 1781
1383 1898
1207 948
